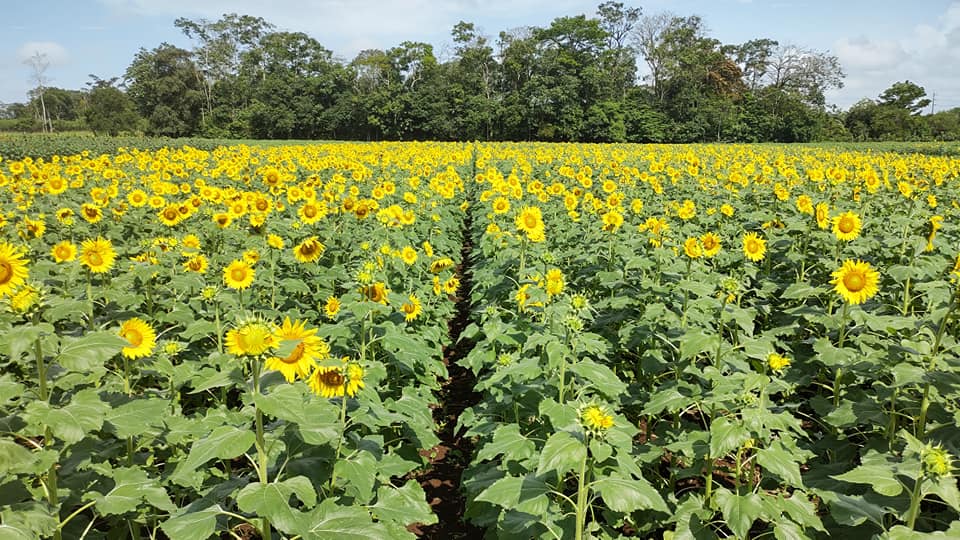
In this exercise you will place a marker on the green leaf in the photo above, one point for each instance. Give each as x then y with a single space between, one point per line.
15 459
20 339
137 417
879 477
726 436
405 505
358 470
89 352
9 389
739 511
272 501
800 290
329 520
27 520
193 525
695 342
507 440
522 493
72 423
561 453
132 485
779 461
852 509
599 376
627 495
225 442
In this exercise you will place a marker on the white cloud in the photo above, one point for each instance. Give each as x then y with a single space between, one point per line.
55 53
927 54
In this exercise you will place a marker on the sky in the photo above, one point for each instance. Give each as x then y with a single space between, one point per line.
878 42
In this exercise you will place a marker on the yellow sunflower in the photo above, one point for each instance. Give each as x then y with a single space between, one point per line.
251 338
778 362
711 244
855 281
238 275
412 309
332 307
530 222
409 255
440 265
375 292
846 226
692 249
596 419
328 381
302 359
501 205
555 282
25 298
754 247
274 241
140 336
64 251
97 255
196 264
309 250
91 213
451 286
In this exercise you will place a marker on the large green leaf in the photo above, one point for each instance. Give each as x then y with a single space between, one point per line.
84 414
562 452
90 351
523 493
726 435
225 442
739 511
405 505
779 461
508 441
193 525
598 376
138 416
272 501
131 486
878 476
332 521
628 495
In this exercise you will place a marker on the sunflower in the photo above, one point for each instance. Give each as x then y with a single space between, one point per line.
530 222
238 275
846 226
311 212
375 292
612 221
328 381
408 255
823 215
452 285
137 198
196 264
309 250
711 244
778 362
754 247
222 219
274 241
25 298
555 282
726 210
64 251
140 336
596 419
302 359
332 307
440 265
412 309
251 338
97 255
691 248
170 216
936 223
91 213
501 205
855 281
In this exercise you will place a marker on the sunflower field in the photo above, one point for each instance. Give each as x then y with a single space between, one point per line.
670 342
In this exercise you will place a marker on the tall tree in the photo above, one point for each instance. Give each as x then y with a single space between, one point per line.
109 110
163 84
39 64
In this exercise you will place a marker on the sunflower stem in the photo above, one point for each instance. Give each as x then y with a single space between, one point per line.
90 298
50 481
582 492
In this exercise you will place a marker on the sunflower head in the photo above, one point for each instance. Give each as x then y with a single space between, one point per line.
855 281
846 226
13 268
252 337
238 275
754 247
596 419
97 255
141 338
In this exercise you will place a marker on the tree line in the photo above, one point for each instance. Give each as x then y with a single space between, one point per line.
574 80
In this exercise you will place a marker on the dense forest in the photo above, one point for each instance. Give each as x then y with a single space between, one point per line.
617 76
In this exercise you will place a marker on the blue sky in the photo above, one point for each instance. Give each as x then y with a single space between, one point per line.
878 42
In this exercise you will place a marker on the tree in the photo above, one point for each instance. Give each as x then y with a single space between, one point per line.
905 95
39 64
805 72
109 110
162 83
619 23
